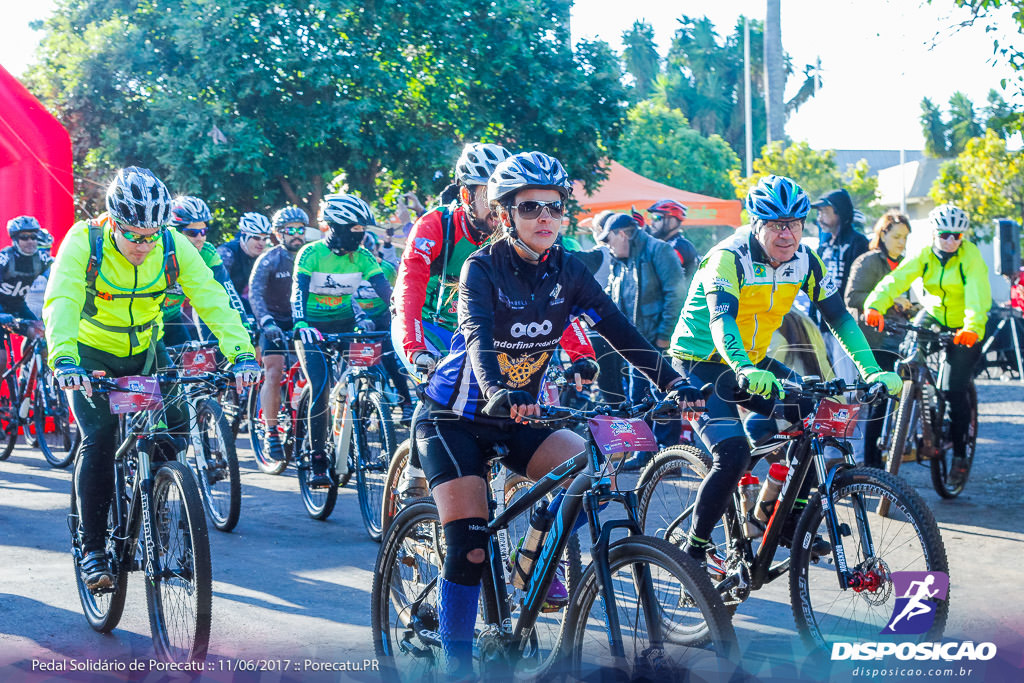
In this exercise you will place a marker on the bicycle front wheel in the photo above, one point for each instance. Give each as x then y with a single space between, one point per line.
907 540
373 442
180 592
661 597
219 479
947 484
50 403
9 421
258 432
391 503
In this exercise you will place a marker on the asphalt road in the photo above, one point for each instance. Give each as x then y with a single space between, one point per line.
293 589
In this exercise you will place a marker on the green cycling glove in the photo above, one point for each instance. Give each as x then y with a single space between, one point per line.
893 383
759 382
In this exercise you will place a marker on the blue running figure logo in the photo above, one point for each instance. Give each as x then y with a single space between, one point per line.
914 612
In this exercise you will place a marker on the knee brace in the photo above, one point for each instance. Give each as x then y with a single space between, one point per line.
732 456
462 537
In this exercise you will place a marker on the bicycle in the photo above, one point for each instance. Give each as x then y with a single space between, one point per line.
288 418
662 617
213 458
849 595
31 401
360 446
155 525
921 429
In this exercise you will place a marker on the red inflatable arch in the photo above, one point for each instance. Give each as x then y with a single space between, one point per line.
35 162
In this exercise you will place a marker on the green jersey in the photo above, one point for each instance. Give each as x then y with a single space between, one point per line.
324 283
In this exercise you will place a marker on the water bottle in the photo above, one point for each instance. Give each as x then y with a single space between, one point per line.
527 554
749 487
770 492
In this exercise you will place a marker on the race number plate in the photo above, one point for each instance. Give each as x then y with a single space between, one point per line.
835 419
363 355
140 393
616 434
198 362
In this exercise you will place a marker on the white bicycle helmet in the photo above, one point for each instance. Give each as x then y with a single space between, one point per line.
345 210
254 224
949 218
137 197
477 162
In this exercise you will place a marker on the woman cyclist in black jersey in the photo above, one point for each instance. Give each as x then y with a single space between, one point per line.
517 295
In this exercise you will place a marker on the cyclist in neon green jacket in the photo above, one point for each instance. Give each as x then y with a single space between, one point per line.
957 300
102 311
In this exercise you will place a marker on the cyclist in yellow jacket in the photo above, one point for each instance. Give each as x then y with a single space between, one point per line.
102 311
955 279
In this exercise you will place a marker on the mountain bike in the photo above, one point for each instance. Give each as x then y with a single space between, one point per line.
642 606
921 429
155 525
288 418
844 594
31 401
362 433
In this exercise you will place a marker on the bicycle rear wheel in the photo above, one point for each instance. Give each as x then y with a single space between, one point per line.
946 485
180 593
102 610
60 445
907 541
372 442
685 602
9 421
319 502
403 611
391 503
219 479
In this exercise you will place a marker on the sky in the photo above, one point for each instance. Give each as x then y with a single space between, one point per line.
879 57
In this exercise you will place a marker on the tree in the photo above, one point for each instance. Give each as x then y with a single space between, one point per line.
999 116
640 56
252 103
815 172
986 180
934 129
659 143
775 74
963 124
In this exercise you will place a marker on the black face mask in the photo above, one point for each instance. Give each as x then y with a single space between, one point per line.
344 240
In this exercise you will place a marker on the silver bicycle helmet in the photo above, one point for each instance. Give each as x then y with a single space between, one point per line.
477 162
345 210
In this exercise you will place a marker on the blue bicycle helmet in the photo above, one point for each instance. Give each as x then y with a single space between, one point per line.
21 224
186 210
777 198
289 214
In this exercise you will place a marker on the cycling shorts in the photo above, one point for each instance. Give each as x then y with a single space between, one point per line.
451 447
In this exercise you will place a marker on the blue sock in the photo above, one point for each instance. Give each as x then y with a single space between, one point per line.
457 605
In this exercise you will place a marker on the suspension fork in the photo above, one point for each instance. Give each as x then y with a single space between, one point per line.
825 489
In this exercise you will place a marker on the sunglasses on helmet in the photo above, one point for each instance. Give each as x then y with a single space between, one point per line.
532 209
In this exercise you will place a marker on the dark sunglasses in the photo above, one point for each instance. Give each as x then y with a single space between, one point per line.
293 231
950 235
27 237
136 238
193 232
532 209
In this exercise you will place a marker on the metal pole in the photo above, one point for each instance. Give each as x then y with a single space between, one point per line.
903 181
747 114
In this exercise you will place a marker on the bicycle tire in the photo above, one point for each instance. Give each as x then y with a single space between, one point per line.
942 461
586 634
413 547
319 503
373 442
258 430
392 502
188 640
102 611
9 421
53 403
909 397
913 520
220 483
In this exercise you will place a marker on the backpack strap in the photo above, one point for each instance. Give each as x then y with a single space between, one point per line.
447 242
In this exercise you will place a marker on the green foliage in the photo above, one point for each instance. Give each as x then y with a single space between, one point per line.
934 129
640 56
815 172
948 137
254 103
658 143
963 124
986 180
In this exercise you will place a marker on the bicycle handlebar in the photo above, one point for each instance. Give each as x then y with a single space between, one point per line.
925 333
218 379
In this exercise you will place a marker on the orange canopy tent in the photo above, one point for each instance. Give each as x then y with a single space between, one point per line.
623 189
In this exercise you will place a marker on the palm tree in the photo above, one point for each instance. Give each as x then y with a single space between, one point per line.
775 71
